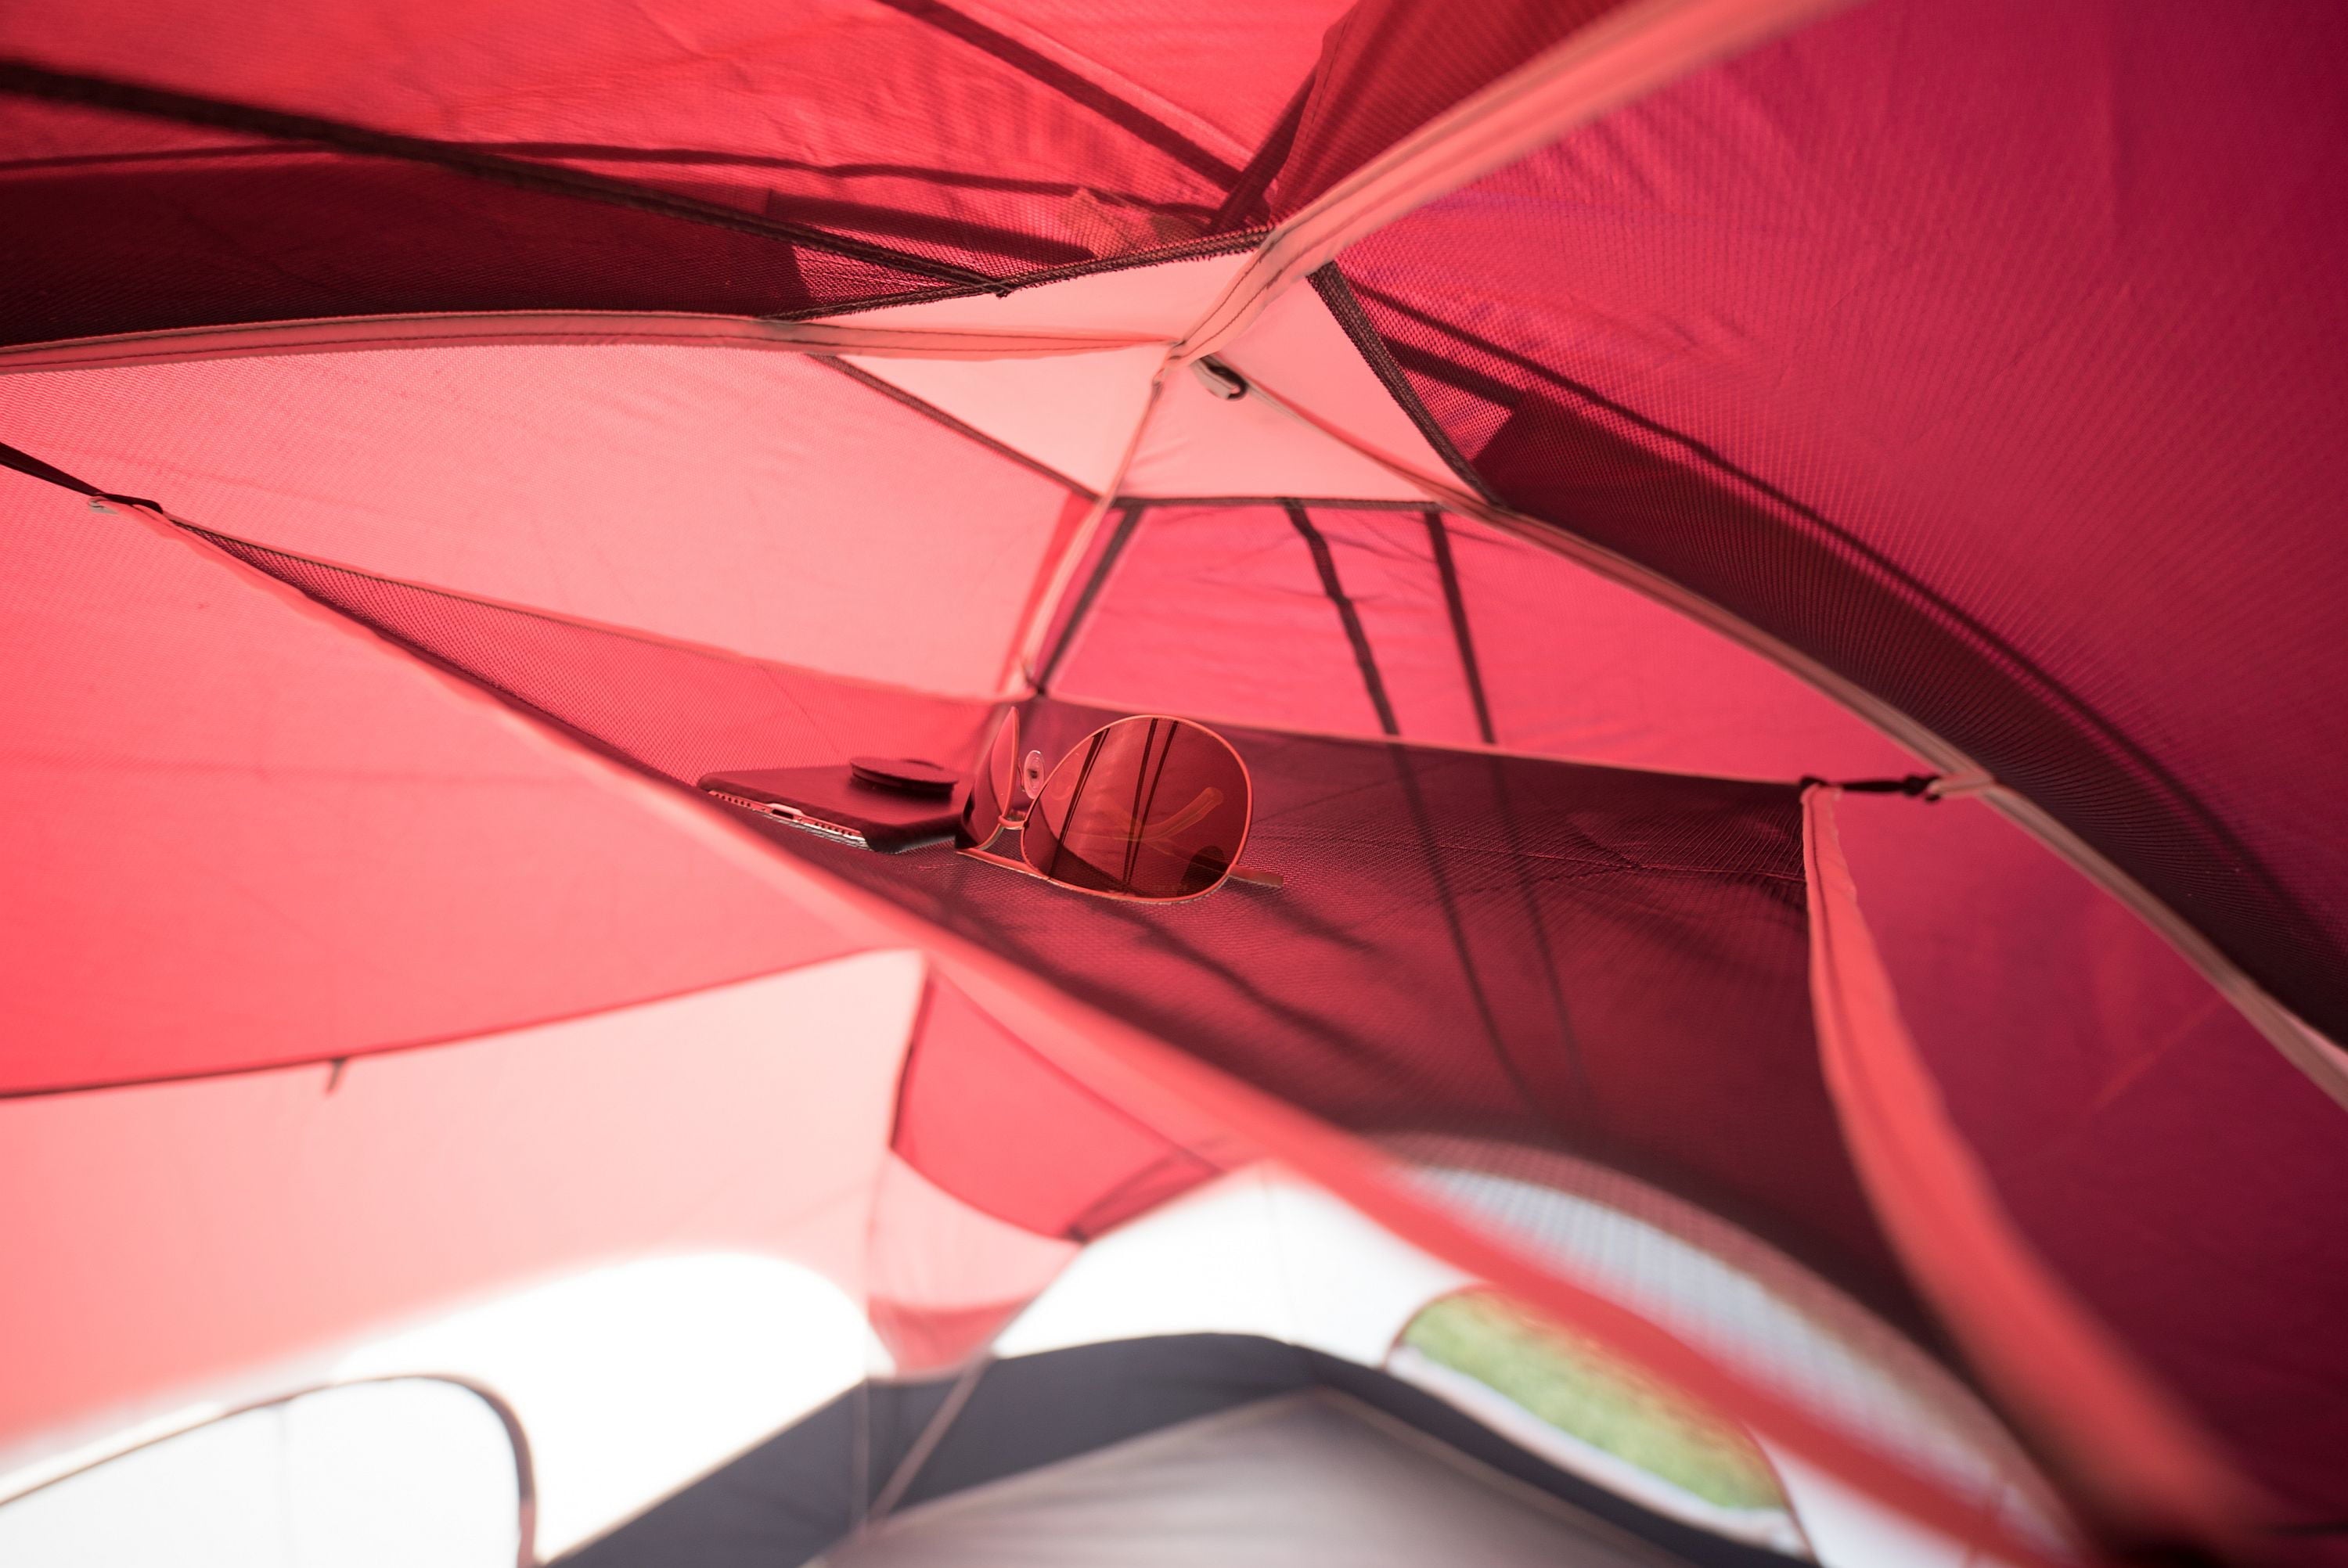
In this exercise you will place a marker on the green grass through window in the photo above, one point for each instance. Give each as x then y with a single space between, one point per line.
1581 1389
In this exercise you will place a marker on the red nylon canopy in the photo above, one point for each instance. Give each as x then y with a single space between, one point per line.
1774 565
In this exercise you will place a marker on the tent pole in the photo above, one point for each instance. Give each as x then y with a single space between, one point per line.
909 1469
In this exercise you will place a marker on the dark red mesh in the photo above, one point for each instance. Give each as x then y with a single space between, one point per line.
679 711
209 228
163 167
2013 394
1496 947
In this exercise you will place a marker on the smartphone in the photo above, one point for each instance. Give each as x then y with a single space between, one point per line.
839 804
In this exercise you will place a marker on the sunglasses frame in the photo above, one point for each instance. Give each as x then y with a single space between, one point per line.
1006 823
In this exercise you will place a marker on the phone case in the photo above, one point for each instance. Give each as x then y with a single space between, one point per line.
832 802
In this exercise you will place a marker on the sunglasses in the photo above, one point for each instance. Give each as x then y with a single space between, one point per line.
1148 808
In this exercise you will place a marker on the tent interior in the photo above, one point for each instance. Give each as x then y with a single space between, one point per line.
1770 569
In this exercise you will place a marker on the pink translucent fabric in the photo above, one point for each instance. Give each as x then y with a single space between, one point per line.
945 1278
1219 610
985 1118
674 709
239 833
181 1233
1216 610
761 502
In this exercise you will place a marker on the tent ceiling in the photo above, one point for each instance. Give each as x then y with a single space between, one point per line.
2009 413
647 486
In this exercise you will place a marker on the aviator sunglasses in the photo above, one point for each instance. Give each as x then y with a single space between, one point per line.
1148 808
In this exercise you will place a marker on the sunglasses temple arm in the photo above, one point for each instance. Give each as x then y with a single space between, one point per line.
1257 876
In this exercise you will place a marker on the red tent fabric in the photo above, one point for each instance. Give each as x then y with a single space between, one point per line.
2088 314
1771 564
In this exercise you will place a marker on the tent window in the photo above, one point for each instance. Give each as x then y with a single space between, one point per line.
402 1472
1578 1404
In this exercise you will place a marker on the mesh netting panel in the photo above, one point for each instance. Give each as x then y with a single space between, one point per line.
682 711
250 229
1556 956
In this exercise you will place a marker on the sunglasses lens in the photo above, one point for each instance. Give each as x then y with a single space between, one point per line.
1149 808
989 788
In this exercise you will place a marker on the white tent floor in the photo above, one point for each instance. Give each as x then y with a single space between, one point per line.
1301 1481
